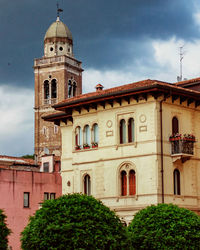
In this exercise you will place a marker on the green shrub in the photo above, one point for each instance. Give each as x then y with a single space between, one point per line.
165 227
74 222
4 231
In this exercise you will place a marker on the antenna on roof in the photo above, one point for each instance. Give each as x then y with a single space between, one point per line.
181 55
58 11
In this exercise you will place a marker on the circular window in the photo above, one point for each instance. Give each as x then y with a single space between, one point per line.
51 48
61 48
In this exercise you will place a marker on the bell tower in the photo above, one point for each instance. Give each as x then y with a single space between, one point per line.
58 76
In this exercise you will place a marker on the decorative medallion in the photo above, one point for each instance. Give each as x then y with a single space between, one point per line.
142 118
109 123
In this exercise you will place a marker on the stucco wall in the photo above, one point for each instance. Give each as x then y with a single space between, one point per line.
13 184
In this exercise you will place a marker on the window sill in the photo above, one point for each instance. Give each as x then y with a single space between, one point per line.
127 144
85 149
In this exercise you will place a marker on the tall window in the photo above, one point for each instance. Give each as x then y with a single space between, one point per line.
124 183
177 186
87 135
46 89
122 131
26 199
74 89
128 181
95 133
175 125
87 185
46 167
69 88
132 183
78 136
53 89
131 130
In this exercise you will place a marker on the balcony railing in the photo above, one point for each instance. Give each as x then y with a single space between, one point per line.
57 59
181 146
50 101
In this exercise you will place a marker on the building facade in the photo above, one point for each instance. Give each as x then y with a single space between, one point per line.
23 188
58 75
132 146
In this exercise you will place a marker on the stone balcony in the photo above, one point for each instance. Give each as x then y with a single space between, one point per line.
57 59
182 149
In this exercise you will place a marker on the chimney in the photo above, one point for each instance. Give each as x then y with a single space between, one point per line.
99 87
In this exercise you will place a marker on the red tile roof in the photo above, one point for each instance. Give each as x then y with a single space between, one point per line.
123 88
194 80
17 160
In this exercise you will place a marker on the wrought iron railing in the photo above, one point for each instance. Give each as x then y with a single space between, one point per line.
50 101
182 147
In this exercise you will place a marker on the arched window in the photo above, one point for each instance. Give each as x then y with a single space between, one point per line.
95 133
87 185
78 136
122 131
131 130
177 186
132 183
74 89
46 89
87 138
69 88
123 183
175 125
53 89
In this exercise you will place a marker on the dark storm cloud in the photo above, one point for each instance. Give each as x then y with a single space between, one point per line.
107 33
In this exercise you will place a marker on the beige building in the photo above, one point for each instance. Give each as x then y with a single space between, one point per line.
58 75
129 146
133 145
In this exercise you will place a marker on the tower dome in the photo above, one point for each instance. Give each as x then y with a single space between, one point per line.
58 29
58 40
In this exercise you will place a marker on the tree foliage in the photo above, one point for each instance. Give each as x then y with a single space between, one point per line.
4 231
74 222
28 156
165 226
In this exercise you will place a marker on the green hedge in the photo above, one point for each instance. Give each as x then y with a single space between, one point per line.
165 227
4 231
74 222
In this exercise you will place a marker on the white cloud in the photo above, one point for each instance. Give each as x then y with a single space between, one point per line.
164 66
16 121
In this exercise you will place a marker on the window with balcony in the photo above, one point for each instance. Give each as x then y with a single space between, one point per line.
87 185
177 187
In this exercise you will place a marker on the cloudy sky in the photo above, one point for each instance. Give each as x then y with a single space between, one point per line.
118 42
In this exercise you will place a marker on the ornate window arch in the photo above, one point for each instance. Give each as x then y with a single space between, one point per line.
46 90
131 130
87 184
78 136
87 135
122 131
54 88
95 133
127 179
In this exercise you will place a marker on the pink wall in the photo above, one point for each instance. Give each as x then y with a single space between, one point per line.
13 184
